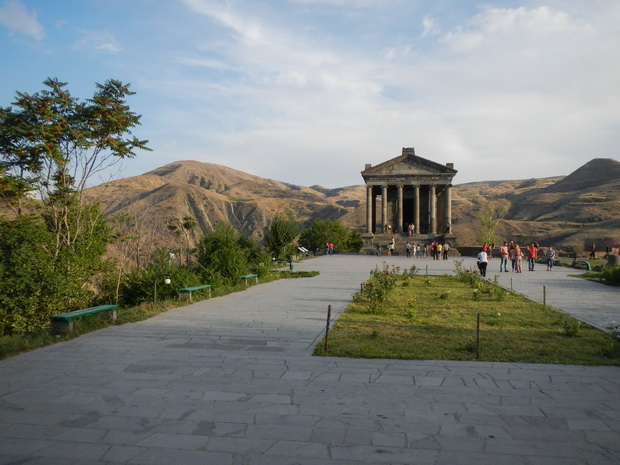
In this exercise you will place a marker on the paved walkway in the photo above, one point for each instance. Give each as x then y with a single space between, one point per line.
231 381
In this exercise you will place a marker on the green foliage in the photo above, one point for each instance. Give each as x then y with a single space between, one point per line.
35 282
611 275
52 142
323 231
281 236
228 254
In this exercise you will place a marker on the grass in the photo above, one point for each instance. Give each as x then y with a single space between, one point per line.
13 345
435 318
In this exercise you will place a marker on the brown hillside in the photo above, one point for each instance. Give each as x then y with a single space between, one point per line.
572 210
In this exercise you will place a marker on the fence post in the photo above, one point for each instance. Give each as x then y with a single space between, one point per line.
329 316
477 336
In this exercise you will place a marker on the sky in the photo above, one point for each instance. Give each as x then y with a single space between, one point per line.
310 91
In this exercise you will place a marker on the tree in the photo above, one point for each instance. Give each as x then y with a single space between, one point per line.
491 213
281 236
226 253
185 227
324 231
52 143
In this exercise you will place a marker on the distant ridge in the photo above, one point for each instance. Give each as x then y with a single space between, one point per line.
565 211
593 174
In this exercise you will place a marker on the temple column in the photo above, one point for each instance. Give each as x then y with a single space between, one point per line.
416 206
448 209
384 208
432 206
399 221
369 209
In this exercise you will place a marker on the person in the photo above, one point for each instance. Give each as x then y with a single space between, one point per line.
550 255
532 253
390 248
490 251
593 251
439 251
331 248
448 226
503 256
389 228
518 255
408 249
446 249
513 257
483 261
378 250
327 248
410 229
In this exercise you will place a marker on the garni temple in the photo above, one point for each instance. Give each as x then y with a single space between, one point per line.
408 198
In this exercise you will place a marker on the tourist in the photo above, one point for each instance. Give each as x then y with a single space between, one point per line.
503 254
327 248
532 253
390 248
593 251
483 261
513 257
378 250
550 255
408 249
518 256
490 251
446 249
389 228
331 248
439 251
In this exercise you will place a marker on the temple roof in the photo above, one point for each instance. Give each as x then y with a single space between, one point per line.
409 165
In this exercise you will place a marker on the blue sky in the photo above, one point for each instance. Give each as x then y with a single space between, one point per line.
309 91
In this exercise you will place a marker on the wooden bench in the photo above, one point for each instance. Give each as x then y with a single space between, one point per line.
186 292
64 321
249 276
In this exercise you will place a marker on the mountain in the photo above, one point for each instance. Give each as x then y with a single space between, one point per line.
574 210
213 194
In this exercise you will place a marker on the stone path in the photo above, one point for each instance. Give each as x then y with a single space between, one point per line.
231 381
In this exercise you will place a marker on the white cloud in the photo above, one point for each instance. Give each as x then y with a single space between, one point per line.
506 93
15 17
98 41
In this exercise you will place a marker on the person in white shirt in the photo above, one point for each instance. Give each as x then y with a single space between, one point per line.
483 261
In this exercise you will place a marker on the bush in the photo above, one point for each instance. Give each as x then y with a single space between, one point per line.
611 275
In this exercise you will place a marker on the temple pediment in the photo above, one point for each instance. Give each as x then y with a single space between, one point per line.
409 165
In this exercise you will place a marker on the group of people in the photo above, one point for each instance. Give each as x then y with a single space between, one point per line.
435 249
514 253
329 248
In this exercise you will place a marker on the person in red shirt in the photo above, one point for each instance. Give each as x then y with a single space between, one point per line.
532 253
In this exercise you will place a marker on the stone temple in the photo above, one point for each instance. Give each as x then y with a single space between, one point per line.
408 193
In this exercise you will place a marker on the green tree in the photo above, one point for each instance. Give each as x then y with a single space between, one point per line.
490 214
281 236
225 253
52 143
323 231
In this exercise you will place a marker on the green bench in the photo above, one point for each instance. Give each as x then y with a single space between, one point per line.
248 277
64 321
186 292
582 262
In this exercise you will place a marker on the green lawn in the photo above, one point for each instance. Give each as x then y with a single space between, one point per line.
435 318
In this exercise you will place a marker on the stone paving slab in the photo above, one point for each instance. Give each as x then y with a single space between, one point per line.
231 380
